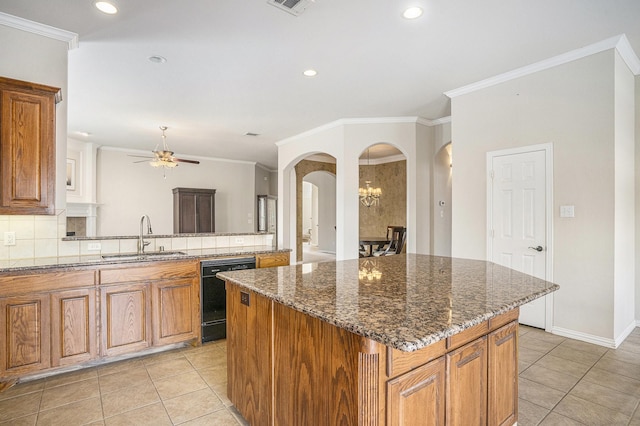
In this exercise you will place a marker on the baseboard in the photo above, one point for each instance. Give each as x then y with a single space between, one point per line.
627 331
589 338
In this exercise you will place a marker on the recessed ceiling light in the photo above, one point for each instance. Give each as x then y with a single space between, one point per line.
157 59
310 73
106 7
85 134
412 12
251 134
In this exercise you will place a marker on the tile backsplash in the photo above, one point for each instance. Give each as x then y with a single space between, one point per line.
41 236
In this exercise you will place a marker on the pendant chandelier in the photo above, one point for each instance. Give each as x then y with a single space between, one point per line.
369 196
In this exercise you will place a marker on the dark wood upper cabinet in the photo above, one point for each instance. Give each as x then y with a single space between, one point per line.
27 147
194 210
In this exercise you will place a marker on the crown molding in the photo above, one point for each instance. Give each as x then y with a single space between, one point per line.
369 120
619 42
40 29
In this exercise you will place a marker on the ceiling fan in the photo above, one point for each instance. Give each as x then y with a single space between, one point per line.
164 157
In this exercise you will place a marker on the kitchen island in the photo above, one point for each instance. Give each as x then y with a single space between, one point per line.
406 339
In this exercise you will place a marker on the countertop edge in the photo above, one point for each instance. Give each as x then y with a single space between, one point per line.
96 260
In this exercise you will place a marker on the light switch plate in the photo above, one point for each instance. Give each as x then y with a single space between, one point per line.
567 211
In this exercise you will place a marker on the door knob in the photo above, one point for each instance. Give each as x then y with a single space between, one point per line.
539 248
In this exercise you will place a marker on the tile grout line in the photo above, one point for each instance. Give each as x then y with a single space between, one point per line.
572 387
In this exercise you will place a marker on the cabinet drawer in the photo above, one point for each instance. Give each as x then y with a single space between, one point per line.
467 335
156 271
503 319
271 260
399 362
45 281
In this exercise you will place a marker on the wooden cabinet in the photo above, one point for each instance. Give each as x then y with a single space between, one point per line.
297 369
73 326
24 342
193 210
503 375
149 305
467 384
175 309
272 259
126 318
46 320
417 397
27 147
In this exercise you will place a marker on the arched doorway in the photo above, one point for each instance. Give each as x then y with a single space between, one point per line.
316 163
319 217
382 166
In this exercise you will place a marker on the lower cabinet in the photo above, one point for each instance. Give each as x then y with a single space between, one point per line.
175 311
298 369
126 318
503 375
467 384
150 305
73 326
24 344
417 397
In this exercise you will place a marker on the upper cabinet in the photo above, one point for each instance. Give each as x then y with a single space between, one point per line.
27 147
194 210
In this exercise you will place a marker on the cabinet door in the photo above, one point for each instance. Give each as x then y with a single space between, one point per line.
205 207
24 334
73 326
175 311
467 384
27 148
417 397
503 375
126 318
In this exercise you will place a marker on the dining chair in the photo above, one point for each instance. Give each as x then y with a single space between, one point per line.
397 242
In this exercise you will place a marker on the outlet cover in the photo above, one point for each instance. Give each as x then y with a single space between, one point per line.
94 246
10 238
239 240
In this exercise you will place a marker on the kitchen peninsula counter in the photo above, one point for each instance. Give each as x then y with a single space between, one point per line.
345 342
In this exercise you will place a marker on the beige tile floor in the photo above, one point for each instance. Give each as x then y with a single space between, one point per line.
562 382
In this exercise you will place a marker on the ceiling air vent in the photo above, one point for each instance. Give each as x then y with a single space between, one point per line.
294 7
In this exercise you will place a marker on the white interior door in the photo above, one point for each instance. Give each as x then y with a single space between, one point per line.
518 220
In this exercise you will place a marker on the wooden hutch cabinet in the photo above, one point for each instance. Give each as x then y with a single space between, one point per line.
194 210
27 147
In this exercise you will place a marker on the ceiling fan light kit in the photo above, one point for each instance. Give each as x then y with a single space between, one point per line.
163 158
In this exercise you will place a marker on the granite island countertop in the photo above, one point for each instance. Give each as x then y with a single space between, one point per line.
44 263
416 301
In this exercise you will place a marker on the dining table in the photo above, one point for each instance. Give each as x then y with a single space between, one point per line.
370 242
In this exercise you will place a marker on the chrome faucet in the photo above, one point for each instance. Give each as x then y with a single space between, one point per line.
141 242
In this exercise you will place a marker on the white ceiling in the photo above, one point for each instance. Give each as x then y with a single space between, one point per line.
235 66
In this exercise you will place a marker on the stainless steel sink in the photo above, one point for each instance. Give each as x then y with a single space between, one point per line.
144 256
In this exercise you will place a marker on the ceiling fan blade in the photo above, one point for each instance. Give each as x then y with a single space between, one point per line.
139 156
180 160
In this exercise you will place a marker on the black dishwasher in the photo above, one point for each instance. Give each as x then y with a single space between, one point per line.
213 297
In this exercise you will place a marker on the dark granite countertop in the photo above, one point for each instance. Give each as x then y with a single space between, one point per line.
44 263
416 301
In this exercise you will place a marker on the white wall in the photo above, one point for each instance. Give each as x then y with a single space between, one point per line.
572 107
624 146
127 190
37 58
